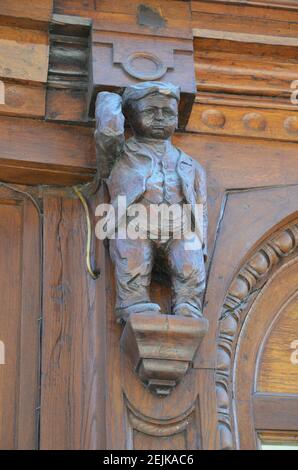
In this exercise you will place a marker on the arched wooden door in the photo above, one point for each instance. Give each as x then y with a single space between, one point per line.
263 392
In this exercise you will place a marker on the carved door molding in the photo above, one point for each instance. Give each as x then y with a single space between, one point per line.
275 253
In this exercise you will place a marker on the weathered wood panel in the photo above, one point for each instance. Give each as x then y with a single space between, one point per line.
31 13
24 54
73 360
20 269
38 152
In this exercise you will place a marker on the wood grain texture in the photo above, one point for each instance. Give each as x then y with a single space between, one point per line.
260 68
23 100
73 364
242 131
20 270
277 373
276 411
61 155
66 105
32 13
261 3
161 348
118 15
24 54
244 18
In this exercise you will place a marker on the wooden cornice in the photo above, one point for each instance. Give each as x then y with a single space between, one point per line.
280 4
245 84
244 18
54 62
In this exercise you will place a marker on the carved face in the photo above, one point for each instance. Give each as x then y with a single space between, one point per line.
154 116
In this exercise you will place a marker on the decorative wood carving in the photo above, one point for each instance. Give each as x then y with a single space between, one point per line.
125 47
149 171
161 348
291 125
141 60
244 288
173 433
243 121
245 83
68 68
131 66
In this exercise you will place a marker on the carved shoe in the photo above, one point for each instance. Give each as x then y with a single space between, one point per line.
122 314
188 310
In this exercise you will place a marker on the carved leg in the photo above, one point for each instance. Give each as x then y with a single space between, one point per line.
188 278
133 260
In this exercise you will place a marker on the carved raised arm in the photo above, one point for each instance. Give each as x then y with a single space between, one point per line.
109 132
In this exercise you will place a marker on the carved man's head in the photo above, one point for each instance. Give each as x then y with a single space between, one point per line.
152 109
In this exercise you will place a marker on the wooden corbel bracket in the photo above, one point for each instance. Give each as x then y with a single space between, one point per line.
161 348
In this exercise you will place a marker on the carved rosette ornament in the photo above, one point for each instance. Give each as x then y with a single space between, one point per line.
243 290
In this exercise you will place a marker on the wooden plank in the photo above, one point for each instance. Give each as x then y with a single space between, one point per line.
22 100
244 18
245 37
39 152
24 54
73 361
66 105
289 4
275 411
31 13
122 16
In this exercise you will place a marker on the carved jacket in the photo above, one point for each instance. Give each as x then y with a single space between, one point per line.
135 165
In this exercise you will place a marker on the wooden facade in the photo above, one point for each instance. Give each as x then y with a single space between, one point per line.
65 383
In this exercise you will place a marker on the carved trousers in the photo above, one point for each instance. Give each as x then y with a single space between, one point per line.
133 260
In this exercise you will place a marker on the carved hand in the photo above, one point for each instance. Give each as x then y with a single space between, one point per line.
109 133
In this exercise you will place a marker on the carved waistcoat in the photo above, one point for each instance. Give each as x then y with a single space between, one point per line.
164 185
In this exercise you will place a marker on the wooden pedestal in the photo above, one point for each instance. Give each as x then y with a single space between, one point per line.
161 348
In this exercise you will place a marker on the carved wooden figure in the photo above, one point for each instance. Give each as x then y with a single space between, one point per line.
157 220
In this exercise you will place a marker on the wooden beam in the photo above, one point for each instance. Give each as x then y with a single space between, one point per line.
38 152
31 13
283 4
275 411
245 37
24 57
245 18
